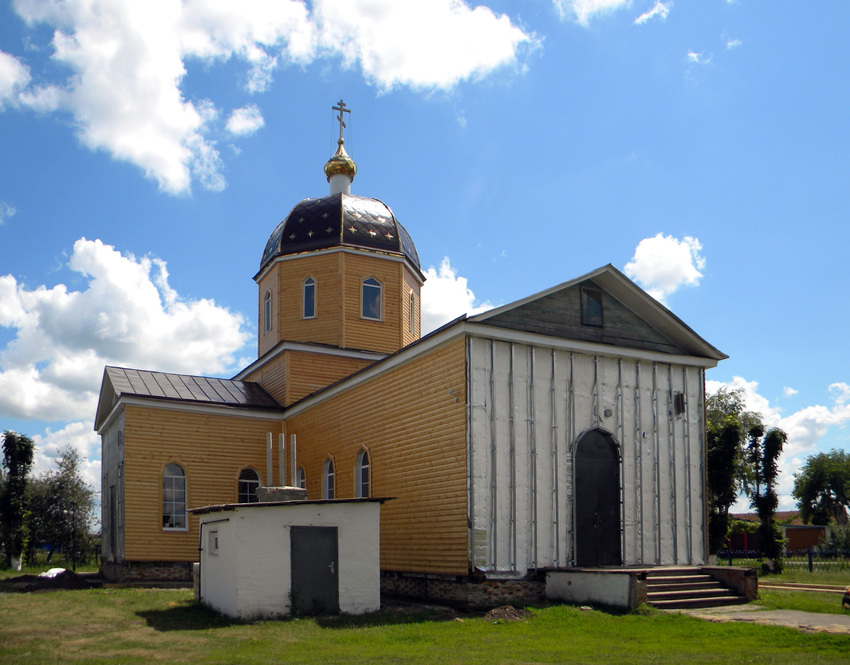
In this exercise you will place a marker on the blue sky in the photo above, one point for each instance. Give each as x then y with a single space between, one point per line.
147 151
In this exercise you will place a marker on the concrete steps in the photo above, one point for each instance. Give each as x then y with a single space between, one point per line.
687 588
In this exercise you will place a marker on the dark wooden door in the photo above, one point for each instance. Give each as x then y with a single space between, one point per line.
597 500
315 569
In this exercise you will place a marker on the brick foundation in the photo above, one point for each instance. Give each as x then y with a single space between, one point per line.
147 571
463 591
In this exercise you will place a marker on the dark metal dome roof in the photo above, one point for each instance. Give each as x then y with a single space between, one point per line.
339 220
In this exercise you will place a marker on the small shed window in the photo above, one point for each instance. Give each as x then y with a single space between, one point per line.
174 498
267 311
328 481
301 478
213 544
371 299
309 299
591 307
249 481
362 475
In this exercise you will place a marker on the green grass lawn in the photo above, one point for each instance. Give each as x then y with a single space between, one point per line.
150 626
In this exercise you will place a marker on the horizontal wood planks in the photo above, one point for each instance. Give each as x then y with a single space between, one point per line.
413 423
309 372
212 451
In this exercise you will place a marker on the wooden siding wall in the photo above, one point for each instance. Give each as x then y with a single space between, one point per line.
309 372
412 420
211 449
528 407
384 336
272 377
411 284
112 489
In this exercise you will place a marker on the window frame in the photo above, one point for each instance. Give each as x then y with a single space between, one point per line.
267 312
411 299
171 507
308 283
252 496
301 478
329 479
363 485
372 283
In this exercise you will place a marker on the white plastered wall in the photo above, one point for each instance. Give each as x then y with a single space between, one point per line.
251 576
527 407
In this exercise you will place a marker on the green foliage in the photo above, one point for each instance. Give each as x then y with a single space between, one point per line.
61 509
822 488
17 460
836 538
763 453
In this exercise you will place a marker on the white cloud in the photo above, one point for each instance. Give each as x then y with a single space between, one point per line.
424 44
698 58
661 264
127 315
245 121
14 76
584 10
789 392
446 296
805 427
127 61
660 11
732 43
6 211
78 435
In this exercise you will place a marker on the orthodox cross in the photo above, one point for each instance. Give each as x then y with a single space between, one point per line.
342 111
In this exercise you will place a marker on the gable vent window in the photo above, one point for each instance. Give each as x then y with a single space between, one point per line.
591 307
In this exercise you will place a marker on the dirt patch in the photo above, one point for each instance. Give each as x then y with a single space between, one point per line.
507 613
64 581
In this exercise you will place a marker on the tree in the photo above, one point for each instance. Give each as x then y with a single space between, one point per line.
763 453
62 508
17 460
822 488
727 423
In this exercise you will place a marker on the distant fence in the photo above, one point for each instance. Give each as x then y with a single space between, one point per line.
810 559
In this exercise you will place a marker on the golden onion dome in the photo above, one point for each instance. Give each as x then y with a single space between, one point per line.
340 163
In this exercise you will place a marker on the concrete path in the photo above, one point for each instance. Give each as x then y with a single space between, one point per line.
810 622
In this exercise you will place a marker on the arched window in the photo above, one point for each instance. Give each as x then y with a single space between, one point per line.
301 478
371 299
362 476
412 321
174 498
328 481
267 311
309 299
249 481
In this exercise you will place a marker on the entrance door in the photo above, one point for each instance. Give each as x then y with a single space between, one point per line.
597 500
315 569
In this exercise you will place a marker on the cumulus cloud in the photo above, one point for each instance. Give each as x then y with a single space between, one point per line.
446 296
127 61
789 392
78 435
127 315
805 427
659 11
245 121
6 211
661 264
583 10
14 76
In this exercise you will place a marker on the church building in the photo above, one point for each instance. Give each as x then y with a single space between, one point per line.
566 429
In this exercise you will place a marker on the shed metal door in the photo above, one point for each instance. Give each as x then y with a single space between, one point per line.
315 569
597 501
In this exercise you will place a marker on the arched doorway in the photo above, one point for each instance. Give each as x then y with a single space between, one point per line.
597 500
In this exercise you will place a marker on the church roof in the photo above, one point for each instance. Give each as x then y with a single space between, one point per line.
124 382
339 220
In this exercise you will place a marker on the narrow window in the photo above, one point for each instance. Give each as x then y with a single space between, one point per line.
371 299
309 310
301 478
213 545
328 484
591 307
267 311
249 481
362 475
174 498
412 322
